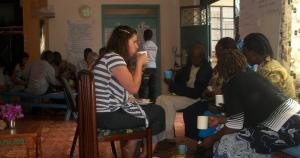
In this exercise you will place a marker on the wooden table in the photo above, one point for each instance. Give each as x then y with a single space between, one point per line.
25 133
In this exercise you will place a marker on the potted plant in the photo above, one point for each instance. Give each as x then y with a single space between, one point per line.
10 113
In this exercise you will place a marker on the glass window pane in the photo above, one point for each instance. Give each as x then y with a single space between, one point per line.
227 12
190 16
228 33
215 34
213 45
215 12
215 23
228 24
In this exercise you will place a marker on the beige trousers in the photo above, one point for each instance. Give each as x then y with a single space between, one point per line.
171 104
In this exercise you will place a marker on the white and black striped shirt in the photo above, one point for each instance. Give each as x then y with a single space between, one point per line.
110 94
275 121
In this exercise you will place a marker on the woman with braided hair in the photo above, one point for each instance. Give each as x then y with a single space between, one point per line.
258 50
114 82
260 119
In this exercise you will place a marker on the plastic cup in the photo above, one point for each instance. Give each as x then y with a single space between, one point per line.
182 149
168 74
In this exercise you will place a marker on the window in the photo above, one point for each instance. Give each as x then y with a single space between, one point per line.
222 23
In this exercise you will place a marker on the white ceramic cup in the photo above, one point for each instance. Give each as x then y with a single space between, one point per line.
142 52
209 88
202 122
219 100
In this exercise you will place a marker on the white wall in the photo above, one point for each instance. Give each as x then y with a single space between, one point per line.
223 3
189 2
262 16
68 10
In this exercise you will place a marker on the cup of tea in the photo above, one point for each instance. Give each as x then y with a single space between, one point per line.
142 52
202 122
168 74
219 100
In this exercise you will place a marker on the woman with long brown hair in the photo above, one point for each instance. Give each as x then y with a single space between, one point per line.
114 82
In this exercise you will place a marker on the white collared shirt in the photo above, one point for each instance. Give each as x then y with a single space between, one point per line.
193 73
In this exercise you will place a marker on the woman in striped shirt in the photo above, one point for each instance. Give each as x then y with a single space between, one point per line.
114 82
260 119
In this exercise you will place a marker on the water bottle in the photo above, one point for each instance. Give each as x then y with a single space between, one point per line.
182 149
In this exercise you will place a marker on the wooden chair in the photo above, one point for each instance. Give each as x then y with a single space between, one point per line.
71 105
89 135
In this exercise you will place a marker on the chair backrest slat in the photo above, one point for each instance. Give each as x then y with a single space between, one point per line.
70 99
88 146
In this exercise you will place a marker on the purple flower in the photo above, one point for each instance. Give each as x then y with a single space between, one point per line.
11 112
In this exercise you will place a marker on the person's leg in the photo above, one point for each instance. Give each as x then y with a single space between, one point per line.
128 148
120 120
190 118
152 85
231 146
264 140
259 141
144 152
156 118
172 103
144 88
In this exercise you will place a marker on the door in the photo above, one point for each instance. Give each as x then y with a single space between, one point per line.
194 29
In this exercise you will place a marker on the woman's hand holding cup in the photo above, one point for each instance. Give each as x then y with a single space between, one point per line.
142 58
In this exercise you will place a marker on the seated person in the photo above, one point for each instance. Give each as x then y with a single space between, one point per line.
258 50
260 119
188 85
68 71
41 75
89 57
56 62
18 77
3 86
114 82
214 87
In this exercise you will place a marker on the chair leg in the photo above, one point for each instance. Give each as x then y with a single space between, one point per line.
113 148
149 142
67 115
74 143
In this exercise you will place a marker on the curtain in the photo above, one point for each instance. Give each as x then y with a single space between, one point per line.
285 34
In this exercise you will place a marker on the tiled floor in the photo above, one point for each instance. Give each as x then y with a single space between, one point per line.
57 136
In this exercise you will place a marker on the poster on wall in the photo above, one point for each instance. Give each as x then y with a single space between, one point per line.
79 37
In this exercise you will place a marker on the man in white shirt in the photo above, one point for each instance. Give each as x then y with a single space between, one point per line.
41 75
148 85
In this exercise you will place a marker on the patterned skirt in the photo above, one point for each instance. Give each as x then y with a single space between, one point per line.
259 142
